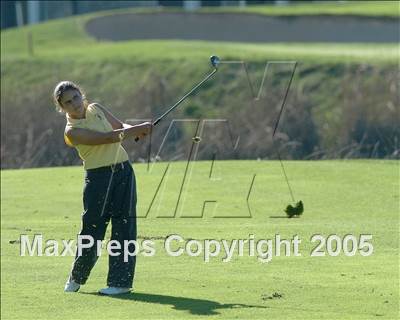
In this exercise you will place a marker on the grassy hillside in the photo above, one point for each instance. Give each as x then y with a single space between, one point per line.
65 37
57 40
351 87
333 110
341 197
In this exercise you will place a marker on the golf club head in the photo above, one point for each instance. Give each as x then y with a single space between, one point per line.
196 139
214 61
297 210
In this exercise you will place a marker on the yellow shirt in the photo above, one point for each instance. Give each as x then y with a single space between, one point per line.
95 156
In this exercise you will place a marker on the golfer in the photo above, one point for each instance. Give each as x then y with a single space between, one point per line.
110 187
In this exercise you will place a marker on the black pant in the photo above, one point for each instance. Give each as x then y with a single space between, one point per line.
109 194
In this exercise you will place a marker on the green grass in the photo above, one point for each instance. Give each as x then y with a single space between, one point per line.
66 38
115 74
341 197
195 51
353 8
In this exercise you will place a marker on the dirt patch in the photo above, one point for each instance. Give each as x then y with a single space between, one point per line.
243 28
275 295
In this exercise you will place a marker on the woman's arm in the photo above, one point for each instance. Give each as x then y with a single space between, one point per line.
90 137
114 121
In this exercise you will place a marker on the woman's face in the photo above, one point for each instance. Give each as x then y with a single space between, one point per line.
72 103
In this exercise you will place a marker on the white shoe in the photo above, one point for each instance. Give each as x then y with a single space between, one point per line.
71 286
114 290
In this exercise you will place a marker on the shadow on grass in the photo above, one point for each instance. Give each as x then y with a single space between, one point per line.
193 306
283 217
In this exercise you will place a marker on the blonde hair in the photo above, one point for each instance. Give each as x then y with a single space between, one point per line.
59 90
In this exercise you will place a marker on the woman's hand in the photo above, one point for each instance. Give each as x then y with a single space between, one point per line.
139 130
146 128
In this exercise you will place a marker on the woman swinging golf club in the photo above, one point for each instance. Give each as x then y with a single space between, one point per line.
110 187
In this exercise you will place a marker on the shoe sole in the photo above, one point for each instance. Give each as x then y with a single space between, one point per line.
112 294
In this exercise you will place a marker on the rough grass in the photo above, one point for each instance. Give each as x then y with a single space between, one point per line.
341 197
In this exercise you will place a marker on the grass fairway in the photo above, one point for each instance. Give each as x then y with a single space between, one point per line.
341 197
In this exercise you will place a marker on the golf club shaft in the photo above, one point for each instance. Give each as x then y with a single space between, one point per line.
181 99
276 127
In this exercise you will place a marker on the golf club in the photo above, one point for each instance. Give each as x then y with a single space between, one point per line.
214 60
298 208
